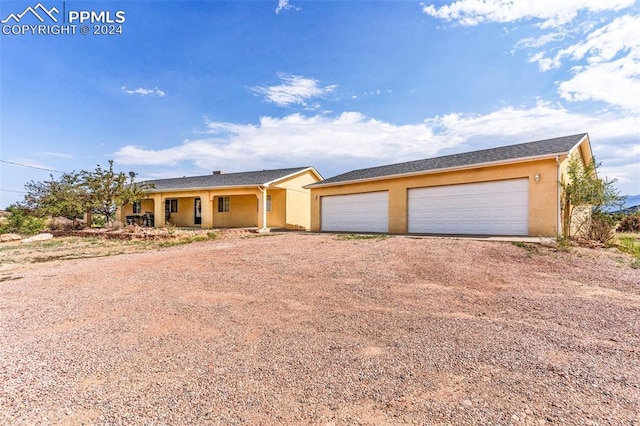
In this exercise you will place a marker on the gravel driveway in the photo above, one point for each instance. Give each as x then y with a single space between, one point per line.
314 329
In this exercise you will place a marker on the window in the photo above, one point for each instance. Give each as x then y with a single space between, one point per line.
223 204
173 206
268 203
137 207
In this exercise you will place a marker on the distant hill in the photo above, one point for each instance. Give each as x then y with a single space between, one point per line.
632 204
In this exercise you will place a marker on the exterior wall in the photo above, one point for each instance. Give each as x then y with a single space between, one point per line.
298 200
243 212
543 195
298 213
276 218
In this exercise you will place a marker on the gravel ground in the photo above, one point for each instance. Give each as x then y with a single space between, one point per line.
315 329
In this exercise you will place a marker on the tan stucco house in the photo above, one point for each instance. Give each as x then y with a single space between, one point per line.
510 190
262 199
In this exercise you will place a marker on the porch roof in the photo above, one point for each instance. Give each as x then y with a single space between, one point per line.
222 180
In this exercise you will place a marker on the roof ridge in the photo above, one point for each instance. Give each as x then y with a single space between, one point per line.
232 173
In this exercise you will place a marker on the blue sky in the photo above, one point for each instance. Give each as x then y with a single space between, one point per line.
194 86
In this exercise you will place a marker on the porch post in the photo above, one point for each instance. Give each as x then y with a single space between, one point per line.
207 210
158 211
263 208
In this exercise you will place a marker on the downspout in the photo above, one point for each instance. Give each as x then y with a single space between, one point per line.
263 189
559 201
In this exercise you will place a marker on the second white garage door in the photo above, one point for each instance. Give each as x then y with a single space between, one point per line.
366 212
487 208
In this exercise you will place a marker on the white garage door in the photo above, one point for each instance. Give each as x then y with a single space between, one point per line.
487 208
367 212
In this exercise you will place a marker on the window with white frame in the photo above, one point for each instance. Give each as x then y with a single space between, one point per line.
137 207
268 203
223 204
173 206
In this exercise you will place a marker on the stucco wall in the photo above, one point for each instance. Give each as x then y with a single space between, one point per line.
243 212
276 218
543 195
298 200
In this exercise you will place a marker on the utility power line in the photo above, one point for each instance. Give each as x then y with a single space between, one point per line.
31 167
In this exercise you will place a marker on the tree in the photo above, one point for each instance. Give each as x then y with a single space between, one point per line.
106 191
62 197
585 194
73 194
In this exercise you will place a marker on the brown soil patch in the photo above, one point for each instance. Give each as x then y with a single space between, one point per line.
302 328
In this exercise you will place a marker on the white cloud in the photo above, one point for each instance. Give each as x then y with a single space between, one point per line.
536 42
144 92
553 13
352 140
294 89
605 58
605 43
285 5
611 70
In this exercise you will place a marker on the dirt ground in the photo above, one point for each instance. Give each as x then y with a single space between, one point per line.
319 329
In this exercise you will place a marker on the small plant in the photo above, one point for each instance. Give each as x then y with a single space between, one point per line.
171 228
531 250
564 243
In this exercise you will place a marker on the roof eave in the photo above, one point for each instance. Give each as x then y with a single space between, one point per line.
312 169
441 170
585 136
204 188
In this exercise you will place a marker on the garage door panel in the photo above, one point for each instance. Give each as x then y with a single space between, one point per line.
365 212
490 208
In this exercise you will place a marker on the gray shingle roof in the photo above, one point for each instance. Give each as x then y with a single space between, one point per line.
254 178
550 147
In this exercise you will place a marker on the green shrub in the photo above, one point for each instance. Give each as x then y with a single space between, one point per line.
98 221
21 222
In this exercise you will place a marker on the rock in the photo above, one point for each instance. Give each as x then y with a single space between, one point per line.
9 237
39 237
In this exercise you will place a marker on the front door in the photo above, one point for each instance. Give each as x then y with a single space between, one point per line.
197 219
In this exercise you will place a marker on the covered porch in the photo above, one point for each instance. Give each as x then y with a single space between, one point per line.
257 207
